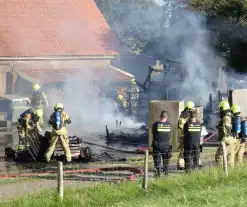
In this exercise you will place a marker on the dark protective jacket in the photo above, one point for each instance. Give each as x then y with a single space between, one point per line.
161 135
192 134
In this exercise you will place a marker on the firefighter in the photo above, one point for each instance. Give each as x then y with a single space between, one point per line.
27 120
38 100
39 121
161 138
58 120
121 101
237 120
134 96
225 135
192 142
183 118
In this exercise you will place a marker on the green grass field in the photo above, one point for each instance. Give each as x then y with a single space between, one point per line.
209 187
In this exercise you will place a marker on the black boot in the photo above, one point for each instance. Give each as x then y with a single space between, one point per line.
157 173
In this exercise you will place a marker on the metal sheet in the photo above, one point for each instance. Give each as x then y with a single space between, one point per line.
239 97
174 109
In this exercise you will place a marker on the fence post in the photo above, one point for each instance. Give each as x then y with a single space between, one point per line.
145 178
60 180
224 158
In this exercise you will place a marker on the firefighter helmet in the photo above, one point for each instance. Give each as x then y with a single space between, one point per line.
225 106
235 108
58 106
36 87
189 105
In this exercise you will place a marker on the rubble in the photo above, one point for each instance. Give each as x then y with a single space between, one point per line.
130 136
38 146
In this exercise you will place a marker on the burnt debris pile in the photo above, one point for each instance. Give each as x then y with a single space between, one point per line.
38 145
128 136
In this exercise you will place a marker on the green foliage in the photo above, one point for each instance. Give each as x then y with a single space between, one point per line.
130 21
230 10
205 188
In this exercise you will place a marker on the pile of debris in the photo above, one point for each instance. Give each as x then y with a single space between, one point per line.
39 144
128 136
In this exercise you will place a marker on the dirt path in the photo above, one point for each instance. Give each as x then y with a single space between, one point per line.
16 190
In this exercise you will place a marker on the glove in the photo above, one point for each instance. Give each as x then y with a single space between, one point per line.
68 121
243 140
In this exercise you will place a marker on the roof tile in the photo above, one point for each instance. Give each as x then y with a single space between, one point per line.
61 75
54 27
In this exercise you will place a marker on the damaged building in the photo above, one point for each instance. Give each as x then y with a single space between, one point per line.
51 43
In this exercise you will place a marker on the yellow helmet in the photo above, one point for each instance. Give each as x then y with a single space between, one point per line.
58 106
36 87
189 105
133 80
235 108
222 103
225 106
39 113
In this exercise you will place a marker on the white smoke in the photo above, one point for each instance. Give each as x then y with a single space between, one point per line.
89 110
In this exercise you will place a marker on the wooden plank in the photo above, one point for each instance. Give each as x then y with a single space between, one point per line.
77 154
33 139
199 110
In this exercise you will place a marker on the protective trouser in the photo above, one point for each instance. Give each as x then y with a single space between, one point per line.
41 119
180 161
239 151
192 157
58 135
230 152
163 154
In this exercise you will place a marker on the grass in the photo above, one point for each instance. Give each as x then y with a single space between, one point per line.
209 187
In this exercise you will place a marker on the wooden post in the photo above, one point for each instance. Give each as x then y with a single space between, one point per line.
145 178
60 180
199 110
224 158
174 108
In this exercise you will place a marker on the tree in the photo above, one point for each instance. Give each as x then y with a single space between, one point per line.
234 11
227 19
134 22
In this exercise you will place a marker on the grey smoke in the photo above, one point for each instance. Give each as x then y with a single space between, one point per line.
188 38
89 113
173 33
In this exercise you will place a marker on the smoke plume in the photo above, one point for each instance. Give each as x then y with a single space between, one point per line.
87 102
189 37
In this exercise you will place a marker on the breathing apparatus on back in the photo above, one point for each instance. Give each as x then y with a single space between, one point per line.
58 121
243 134
28 111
